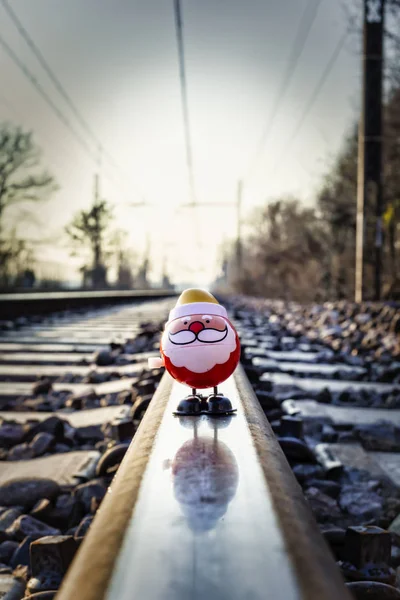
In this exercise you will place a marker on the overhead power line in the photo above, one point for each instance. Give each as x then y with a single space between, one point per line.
185 109
58 85
101 152
42 92
324 76
303 31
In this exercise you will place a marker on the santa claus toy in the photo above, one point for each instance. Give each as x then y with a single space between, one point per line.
199 347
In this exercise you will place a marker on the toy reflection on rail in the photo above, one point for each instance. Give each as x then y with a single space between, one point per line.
200 348
205 476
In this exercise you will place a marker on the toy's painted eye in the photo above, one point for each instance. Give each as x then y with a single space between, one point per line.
207 320
185 322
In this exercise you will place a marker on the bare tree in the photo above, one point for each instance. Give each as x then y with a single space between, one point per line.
336 201
20 180
16 262
89 228
284 257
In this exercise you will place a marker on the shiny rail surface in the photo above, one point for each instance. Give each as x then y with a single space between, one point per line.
35 303
204 508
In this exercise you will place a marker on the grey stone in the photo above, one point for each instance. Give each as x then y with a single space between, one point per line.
43 386
296 449
139 407
103 358
109 400
41 404
66 512
324 396
380 436
21 452
41 509
53 425
26 525
90 433
96 378
61 448
92 489
328 434
26 492
335 536
145 386
8 518
111 458
346 437
127 397
38 586
303 472
41 443
330 488
7 549
253 373
324 507
11 434
391 509
83 399
360 503
20 555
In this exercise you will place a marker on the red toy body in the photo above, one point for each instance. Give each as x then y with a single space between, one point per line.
200 348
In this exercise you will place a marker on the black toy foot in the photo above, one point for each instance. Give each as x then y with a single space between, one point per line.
191 405
217 404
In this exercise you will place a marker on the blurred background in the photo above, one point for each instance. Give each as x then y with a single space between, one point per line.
186 142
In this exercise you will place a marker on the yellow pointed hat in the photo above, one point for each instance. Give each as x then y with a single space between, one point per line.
196 301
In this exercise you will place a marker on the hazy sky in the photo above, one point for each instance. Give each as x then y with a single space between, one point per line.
118 61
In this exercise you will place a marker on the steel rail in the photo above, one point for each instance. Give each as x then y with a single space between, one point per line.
204 508
35 303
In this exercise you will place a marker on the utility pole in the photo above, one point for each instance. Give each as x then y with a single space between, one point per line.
98 274
369 181
239 227
96 188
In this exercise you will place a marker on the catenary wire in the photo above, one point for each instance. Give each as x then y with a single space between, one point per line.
303 31
184 97
324 76
38 54
42 92
101 150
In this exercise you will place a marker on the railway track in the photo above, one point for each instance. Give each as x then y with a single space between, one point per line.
199 507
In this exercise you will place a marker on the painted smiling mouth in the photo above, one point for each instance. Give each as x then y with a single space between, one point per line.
196 337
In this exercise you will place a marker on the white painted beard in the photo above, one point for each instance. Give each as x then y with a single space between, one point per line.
200 357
